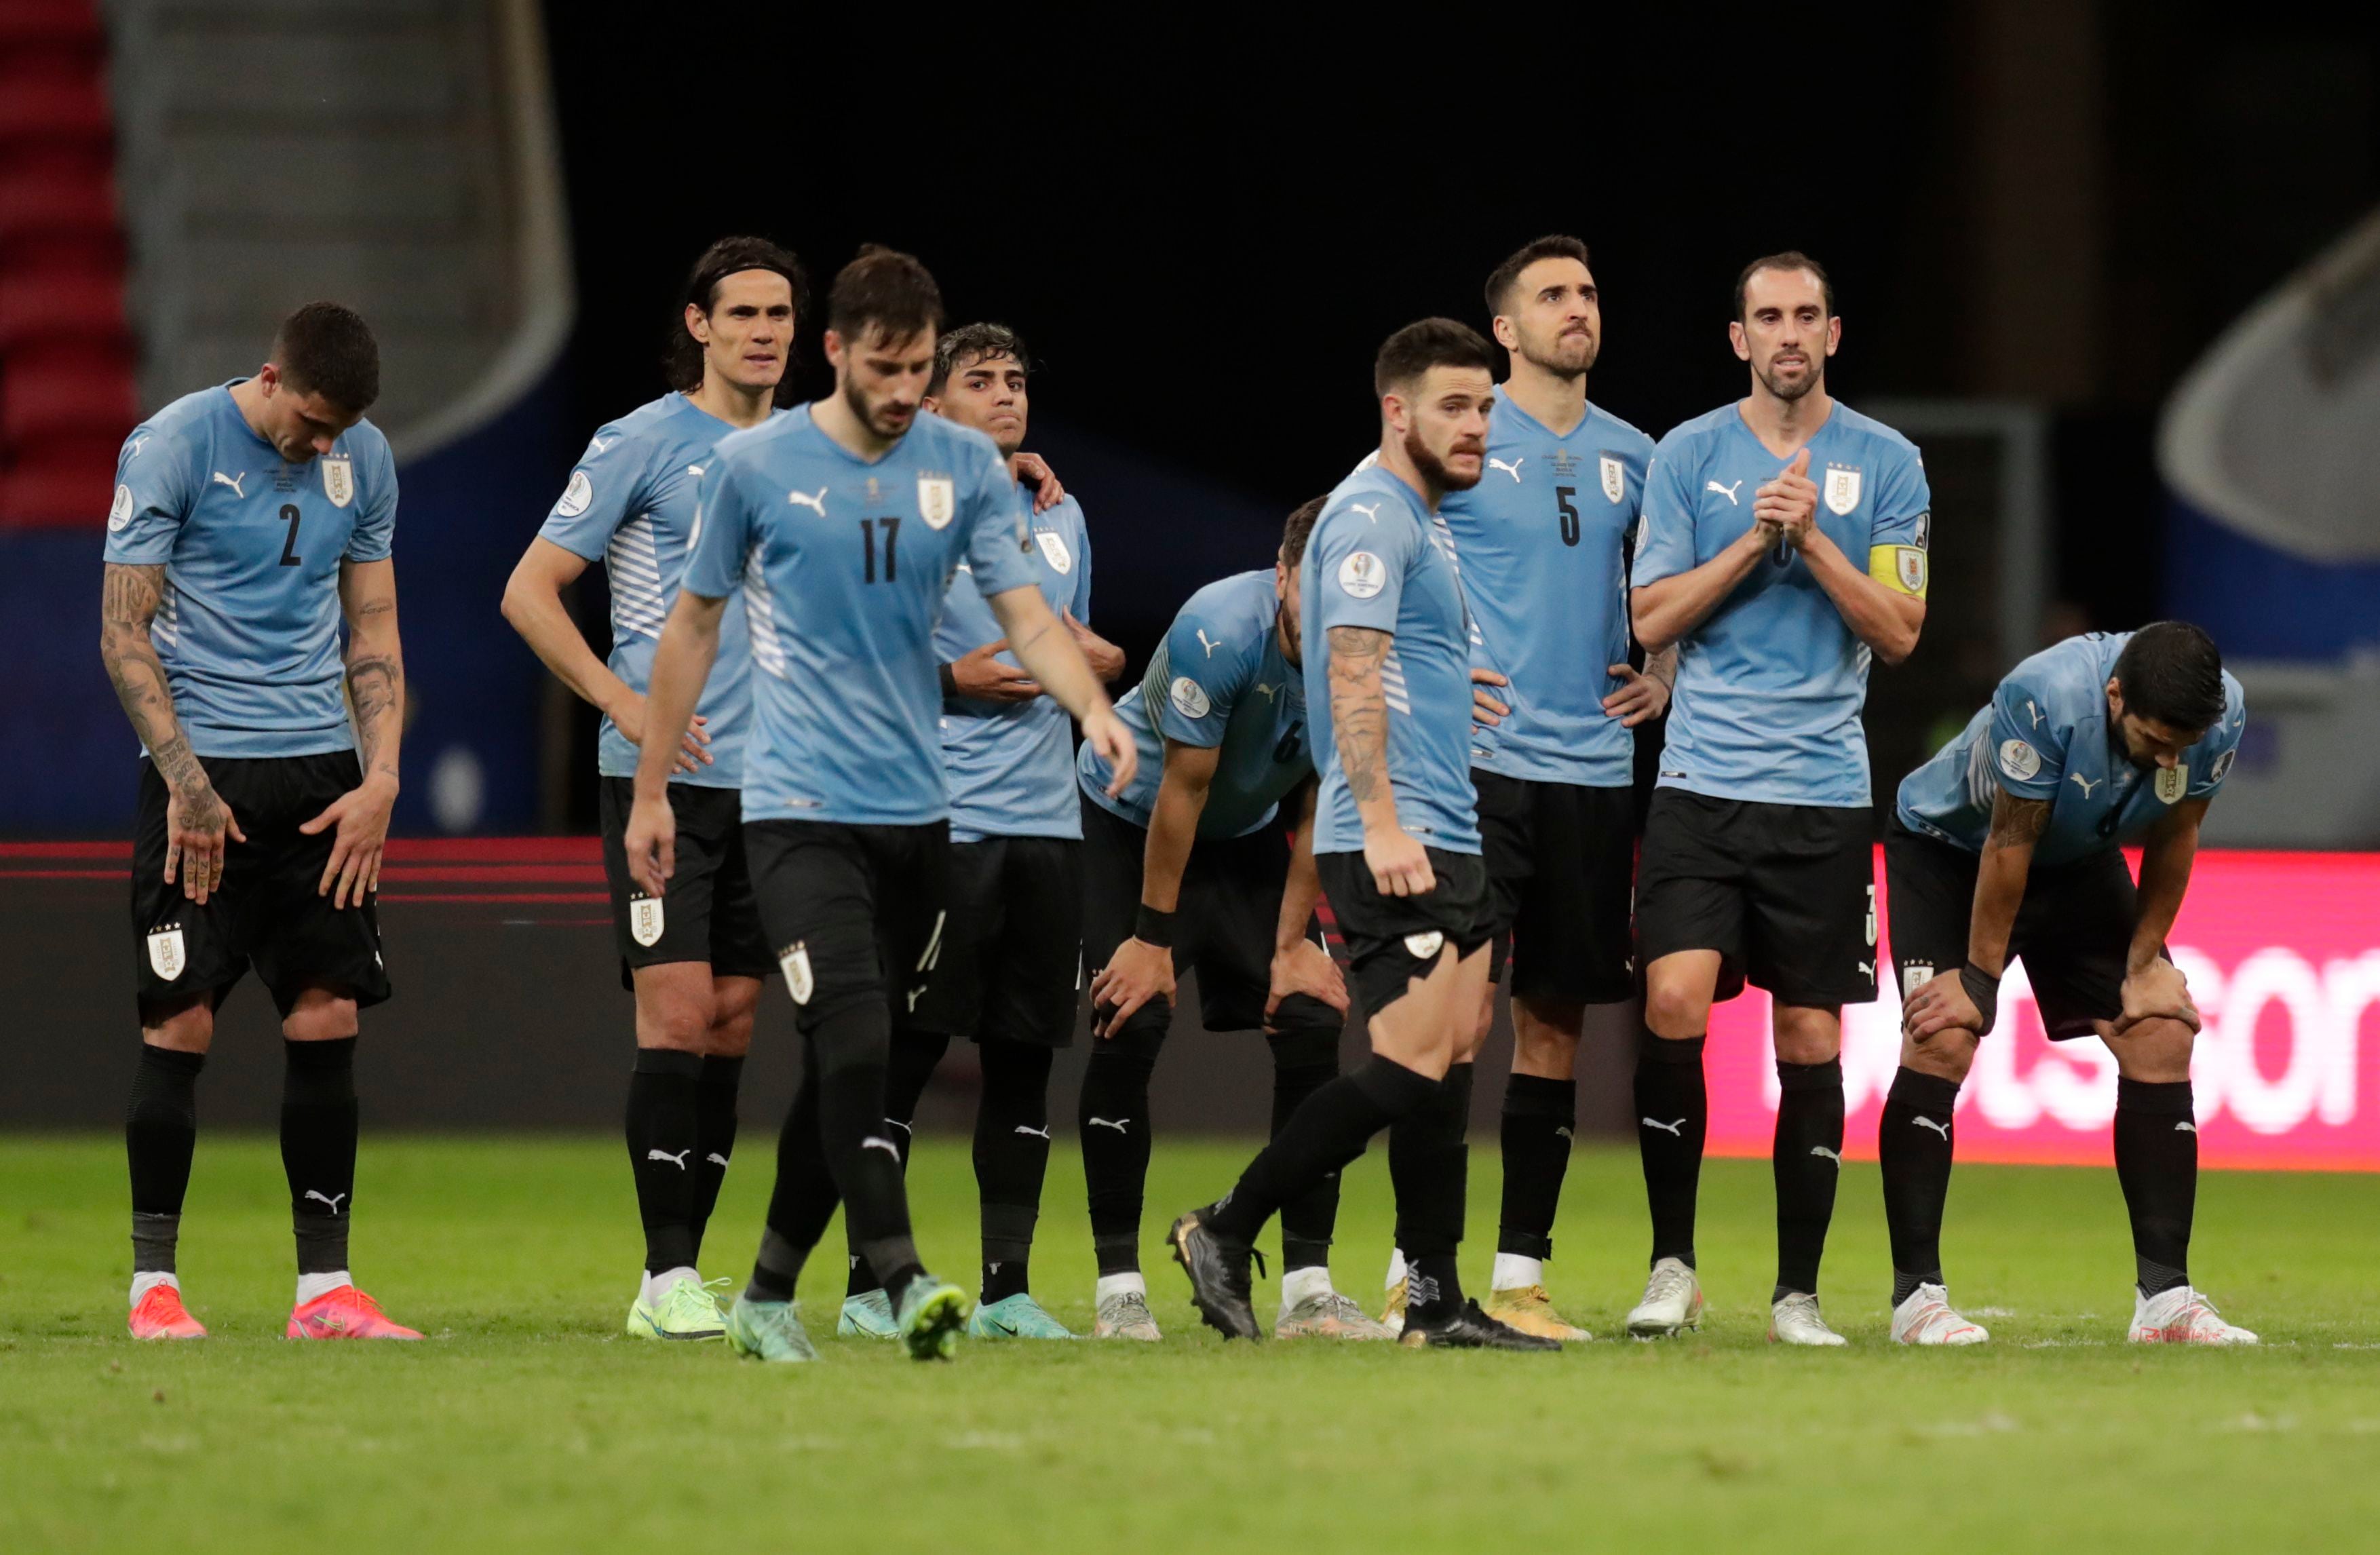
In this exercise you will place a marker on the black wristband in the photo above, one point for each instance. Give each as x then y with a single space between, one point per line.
1153 927
950 682
1984 990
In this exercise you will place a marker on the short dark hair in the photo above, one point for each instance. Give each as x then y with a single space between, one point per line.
682 355
2171 671
1505 276
1300 527
1417 348
1792 258
325 350
975 343
885 287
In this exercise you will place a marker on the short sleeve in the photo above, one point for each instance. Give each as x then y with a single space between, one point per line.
2211 763
722 529
1082 605
374 538
604 488
1205 673
997 537
1902 533
1665 528
2028 745
1358 555
153 492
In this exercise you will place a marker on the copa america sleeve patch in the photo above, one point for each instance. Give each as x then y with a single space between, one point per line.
119 512
1361 576
1190 697
577 495
2019 759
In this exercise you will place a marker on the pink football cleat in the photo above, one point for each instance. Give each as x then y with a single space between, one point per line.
346 1312
162 1316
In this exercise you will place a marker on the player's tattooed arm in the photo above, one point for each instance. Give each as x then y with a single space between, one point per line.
197 820
376 664
2016 825
1359 729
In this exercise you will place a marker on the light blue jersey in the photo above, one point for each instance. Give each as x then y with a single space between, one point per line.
1008 762
248 625
844 565
1220 682
2046 736
630 505
1378 558
1767 706
1542 544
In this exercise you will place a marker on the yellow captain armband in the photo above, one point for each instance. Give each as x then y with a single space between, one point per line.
1899 567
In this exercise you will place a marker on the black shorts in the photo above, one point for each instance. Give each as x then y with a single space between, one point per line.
853 912
1012 958
269 910
2074 929
709 913
1392 939
1786 894
1561 870
1223 926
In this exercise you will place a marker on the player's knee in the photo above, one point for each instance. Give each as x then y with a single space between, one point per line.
2155 1051
1804 1035
320 1016
1674 1009
185 1027
734 1001
1946 1055
1543 1046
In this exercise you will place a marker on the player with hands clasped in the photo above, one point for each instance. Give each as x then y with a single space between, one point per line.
2009 844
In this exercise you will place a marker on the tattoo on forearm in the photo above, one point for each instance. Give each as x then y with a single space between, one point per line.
376 690
1359 712
2016 822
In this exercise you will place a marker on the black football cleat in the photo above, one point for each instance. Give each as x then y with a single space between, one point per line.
1471 1329
1218 1277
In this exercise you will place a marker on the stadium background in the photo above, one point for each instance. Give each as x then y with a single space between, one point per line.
2134 324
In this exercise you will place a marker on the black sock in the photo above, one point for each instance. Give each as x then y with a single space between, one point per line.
161 1130
1112 1122
1429 1169
804 1197
1012 1157
715 1135
1304 1060
1672 1113
864 1152
1327 1133
318 1149
915 1056
2156 1161
1807 1160
1913 1145
1539 1115
665 1151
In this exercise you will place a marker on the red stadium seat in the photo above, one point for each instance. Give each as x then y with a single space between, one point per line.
68 494
44 105
50 22
44 202
60 305
52 392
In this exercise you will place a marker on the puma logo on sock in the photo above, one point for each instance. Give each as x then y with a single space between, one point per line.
717 1159
1102 1123
1941 1128
677 1161
332 1200
1673 1128
1036 1133
1834 1156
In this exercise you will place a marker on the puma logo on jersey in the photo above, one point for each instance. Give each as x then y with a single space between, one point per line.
1373 512
695 470
1206 644
133 450
2085 784
677 1161
1512 469
1941 1128
1266 691
1670 1128
1103 1123
1042 1133
803 499
599 444
332 1199
1727 491
2033 710
233 482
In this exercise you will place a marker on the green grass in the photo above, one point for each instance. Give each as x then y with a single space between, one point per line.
529 1423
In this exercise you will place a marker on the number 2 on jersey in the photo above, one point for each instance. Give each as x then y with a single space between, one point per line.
289 546
867 530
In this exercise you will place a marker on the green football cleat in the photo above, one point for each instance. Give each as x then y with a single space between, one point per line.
685 1311
932 1313
1016 1317
769 1330
867 1315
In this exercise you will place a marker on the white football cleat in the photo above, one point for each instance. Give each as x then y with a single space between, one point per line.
1672 1304
2181 1316
1795 1321
1927 1317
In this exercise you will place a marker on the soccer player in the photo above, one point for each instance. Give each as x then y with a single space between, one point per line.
1542 542
843 522
694 957
1387 660
1189 867
250 520
1784 546
2008 844
1011 961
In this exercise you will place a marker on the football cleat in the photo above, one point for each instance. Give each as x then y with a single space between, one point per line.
1126 1314
1327 1315
160 1315
1219 1276
1469 1328
1927 1317
769 1330
1016 1317
685 1311
1795 1321
1672 1304
1392 1315
346 1312
1531 1310
931 1315
867 1315
2181 1316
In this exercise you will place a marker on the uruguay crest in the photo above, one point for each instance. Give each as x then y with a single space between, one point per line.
1615 479
1842 490
938 501
338 479
1053 546
2172 783
168 956
645 920
796 965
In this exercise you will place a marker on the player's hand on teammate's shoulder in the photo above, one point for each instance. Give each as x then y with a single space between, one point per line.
1137 973
627 715
1305 967
1048 491
199 828
1941 1005
981 676
650 842
2158 991
1400 865
1486 709
1641 698
352 872
1790 502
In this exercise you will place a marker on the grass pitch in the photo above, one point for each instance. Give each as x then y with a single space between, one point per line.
529 1423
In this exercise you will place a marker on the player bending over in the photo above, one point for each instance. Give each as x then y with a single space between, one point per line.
1396 842
842 523
2008 844
1192 868
251 520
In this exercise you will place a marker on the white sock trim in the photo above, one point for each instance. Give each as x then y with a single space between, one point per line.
1515 1273
1396 1267
1133 1284
313 1287
147 1279
656 1285
1304 1284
